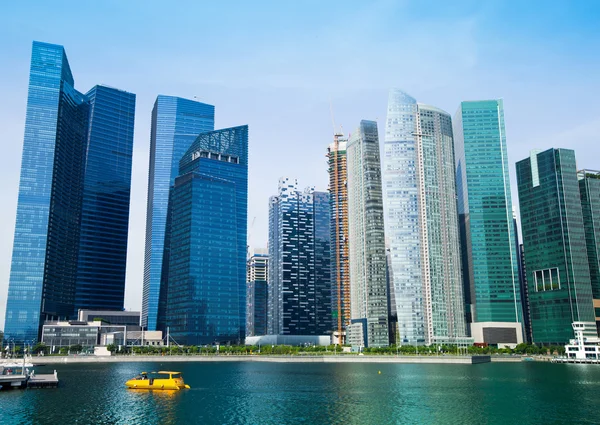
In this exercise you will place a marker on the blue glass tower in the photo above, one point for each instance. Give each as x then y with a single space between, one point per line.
62 134
105 204
176 123
206 292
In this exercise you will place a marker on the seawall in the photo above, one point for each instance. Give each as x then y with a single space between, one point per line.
47 360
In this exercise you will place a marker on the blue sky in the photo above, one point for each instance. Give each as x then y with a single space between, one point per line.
277 66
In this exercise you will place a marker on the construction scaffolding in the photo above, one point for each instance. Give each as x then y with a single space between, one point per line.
339 234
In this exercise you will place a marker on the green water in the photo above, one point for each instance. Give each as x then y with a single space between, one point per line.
292 393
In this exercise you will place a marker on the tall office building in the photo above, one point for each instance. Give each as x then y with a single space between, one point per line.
256 293
489 247
552 224
338 198
176 123
105 203
206 295
589 188
54 253
419 191
299 300
368 284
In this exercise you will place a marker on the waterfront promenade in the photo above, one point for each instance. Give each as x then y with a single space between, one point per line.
47 360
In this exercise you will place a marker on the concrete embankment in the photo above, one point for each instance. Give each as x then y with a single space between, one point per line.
275 359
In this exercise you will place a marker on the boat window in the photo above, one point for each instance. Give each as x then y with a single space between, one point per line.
176 375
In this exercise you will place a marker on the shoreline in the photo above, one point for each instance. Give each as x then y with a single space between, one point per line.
276 359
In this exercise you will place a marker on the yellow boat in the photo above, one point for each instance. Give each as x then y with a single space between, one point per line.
162 380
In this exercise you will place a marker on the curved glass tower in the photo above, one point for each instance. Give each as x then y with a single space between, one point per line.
421 221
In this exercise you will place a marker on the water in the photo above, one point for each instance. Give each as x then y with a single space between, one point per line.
292 393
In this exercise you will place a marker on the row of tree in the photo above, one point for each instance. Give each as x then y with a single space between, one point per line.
521 349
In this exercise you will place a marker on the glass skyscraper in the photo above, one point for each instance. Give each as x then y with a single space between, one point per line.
105 203
64 136
206 292
489 247
552 223
299 299
368 284
176 123
589 188
338 198
421 221
256 293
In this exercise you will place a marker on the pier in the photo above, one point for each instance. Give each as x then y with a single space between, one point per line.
32 380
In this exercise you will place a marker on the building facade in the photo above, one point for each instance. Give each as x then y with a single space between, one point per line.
589 189
489 246
176 123
368 284
299 299
54 253
206 292
552 224
256 293
105 203
421 219
338 197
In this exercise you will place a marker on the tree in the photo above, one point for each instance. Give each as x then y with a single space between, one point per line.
40 347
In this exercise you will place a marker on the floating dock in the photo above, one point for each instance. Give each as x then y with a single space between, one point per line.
32 380
47 380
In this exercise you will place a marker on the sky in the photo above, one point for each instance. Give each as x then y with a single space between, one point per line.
290 70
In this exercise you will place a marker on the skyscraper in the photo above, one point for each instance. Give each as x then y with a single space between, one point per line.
558 274
299 300
54 256
589 188
176 123
206 294
338 198
105 204
489 247
419 191
368 285
256 293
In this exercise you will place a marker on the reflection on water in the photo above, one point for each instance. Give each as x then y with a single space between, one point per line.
274 393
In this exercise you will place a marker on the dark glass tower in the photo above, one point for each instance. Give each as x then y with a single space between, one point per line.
105 203
299 300
63 137
558 274
206 293
256 293
176 123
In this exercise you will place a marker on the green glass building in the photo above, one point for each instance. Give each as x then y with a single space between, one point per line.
488 248
552 223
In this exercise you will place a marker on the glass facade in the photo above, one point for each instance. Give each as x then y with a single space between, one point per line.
206 292
489 246
105 204
419 191
62 135
552 224
299 281
589 188
338 198
176 123
256 294
367 257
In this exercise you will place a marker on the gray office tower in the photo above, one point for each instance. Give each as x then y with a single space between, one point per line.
299 299
368 285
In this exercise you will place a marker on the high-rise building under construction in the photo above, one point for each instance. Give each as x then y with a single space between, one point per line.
340 273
